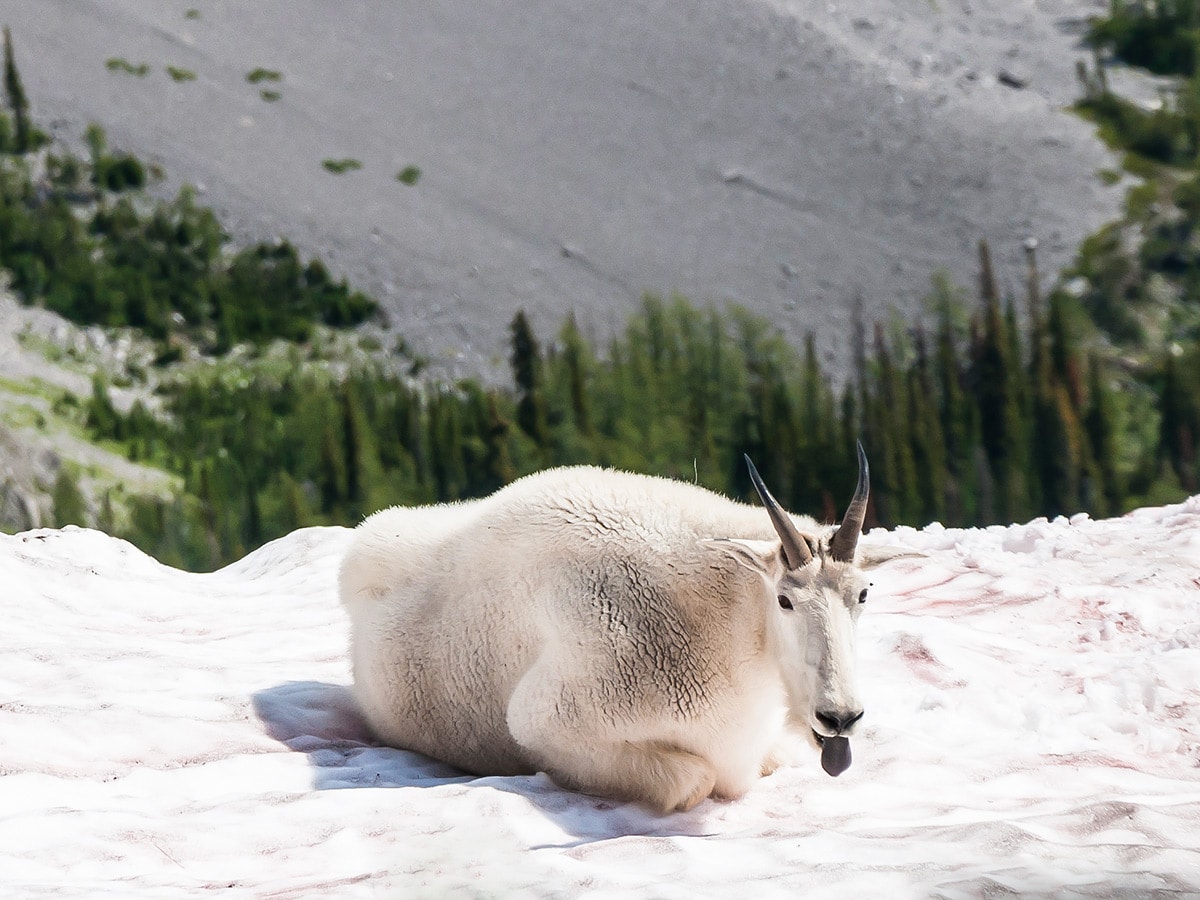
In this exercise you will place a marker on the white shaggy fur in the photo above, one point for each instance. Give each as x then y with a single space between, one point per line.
625 634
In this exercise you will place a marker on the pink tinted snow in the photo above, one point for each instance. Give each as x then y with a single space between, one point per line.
1032 727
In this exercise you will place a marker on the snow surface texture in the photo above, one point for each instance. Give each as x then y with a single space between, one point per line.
1032 729
790 155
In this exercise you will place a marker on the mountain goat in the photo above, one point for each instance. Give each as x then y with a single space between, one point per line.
634 637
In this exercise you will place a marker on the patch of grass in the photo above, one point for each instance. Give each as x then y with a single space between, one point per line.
1140 199
178 74
47 349
12 386
1140 167
1108 177
409 175
21 417
36 389
341 166
120 64
192 14
260 75
33 387
270 96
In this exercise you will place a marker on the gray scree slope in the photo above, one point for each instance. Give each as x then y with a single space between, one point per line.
790 156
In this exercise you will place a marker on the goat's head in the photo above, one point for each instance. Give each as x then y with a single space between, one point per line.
815 591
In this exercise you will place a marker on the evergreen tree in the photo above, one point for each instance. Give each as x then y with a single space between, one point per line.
334 473
890 436
959 419
1058 450
102 416
1100 427
577 363
496 467
927 440
252 526
1063 356
295 508
208 513
526 361
1033 286
97 142
68 506
447 440
999 409
106 520
701 380
17 101
1178 424
364 471
989 293
817 428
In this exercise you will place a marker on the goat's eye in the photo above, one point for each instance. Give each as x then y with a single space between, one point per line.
862 596
784 602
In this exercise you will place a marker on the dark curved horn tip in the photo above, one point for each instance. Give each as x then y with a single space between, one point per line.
864 470
795 549
845 539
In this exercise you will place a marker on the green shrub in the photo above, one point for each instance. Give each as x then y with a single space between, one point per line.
121 173
260 74
341 166
120 64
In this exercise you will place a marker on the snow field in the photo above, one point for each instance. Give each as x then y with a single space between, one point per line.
1032 727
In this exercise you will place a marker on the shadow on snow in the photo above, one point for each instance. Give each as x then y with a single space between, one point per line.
322 721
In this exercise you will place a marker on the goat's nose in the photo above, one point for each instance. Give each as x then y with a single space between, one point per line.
838 721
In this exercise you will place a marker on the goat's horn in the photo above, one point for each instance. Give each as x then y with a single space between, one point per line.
845 539
795 548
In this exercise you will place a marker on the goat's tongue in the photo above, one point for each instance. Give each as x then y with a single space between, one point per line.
835 755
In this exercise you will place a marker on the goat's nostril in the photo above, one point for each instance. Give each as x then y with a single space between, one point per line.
837 722
828 720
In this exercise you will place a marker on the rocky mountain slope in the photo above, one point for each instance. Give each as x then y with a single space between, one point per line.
790 155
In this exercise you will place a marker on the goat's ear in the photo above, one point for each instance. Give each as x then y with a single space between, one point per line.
869 557
763 557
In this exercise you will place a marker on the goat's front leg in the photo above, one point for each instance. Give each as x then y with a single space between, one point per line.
573 741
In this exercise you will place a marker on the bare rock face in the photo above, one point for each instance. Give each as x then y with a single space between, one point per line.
18 508
26 474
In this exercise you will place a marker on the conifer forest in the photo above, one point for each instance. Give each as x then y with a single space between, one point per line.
1084 397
